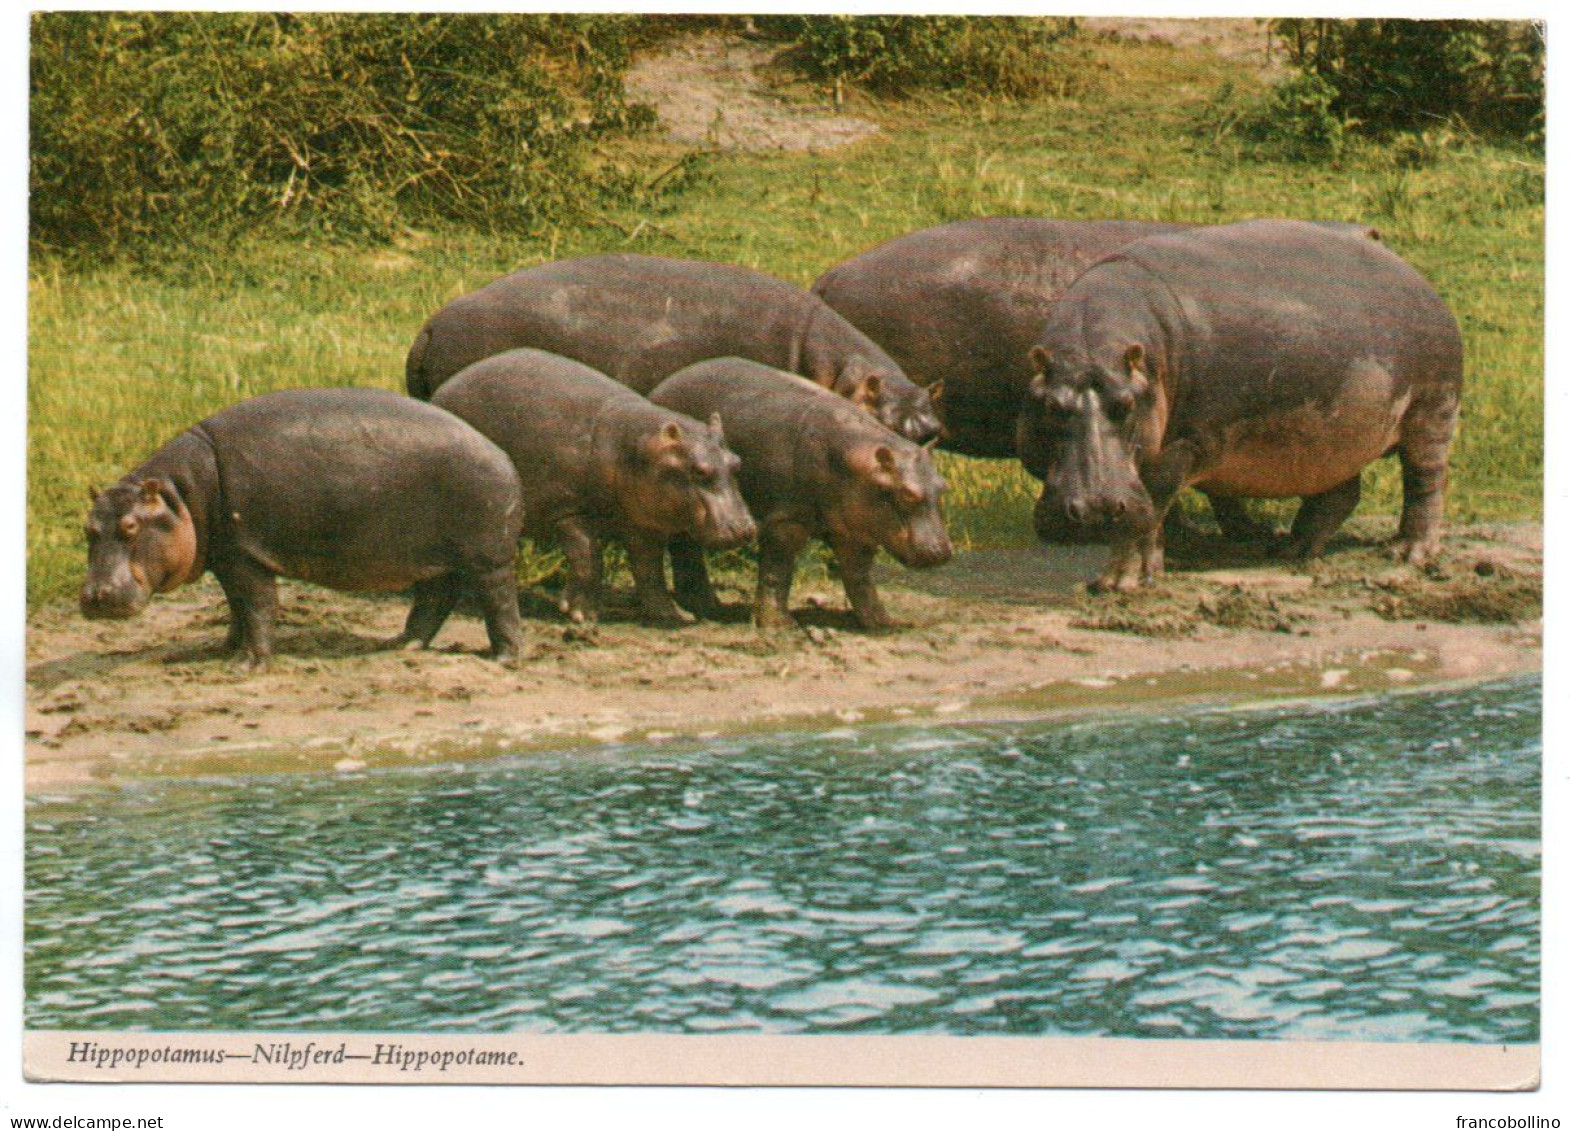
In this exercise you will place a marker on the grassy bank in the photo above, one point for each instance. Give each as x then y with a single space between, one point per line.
119 360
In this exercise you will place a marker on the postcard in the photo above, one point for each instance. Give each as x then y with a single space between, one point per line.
1100 466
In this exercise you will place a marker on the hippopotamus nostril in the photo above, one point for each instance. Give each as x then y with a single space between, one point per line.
1117 508
1076 509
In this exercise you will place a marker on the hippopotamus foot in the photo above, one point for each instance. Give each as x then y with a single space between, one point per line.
1414 552
1320 516
434 600
778 545
585 567
1133 564
771 618
247 662
646 557
252 592
1236 523
855 565
498 593
690 573
1423 462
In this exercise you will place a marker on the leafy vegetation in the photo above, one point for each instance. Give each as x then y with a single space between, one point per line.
998 56
1385 76
172 126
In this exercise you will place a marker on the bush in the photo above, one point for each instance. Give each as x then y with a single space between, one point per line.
1399 75
152 125
1006 56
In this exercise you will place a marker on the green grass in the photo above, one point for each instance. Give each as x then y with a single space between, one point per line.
122 360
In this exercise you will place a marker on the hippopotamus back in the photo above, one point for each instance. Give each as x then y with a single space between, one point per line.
298 471
962 304
639 318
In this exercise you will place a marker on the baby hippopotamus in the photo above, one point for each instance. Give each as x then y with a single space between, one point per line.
811 466
355 489
596 460
1266 359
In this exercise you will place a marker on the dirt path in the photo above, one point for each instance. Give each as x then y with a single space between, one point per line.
995 634
712 92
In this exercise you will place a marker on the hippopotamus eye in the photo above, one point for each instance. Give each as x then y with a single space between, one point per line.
129 526
911 496
1119 405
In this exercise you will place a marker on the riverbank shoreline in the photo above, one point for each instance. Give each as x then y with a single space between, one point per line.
1000 634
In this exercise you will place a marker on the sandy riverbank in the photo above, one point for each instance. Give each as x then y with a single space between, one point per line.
995 634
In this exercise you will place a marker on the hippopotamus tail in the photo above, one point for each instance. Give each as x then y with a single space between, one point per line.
414 375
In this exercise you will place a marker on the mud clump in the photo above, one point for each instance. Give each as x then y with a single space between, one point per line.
1239 608
1485 593
1146 612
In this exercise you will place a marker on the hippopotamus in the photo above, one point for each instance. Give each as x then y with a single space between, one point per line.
1266 359
958 307
598 460
355 489
811 466
639 318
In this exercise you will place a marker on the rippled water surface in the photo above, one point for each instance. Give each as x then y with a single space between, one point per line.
1359 871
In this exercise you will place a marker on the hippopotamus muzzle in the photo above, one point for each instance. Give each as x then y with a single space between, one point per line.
112 600
1079 517
921 548
726 531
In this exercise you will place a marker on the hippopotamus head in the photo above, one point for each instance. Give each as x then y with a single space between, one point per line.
684 482
1083 427
901 405
892 500
140 541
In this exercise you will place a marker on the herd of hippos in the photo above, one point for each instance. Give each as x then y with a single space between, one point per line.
681 406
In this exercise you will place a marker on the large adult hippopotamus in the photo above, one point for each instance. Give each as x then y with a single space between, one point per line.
596 460
357 489
1265 359
639 318
811 467
958 307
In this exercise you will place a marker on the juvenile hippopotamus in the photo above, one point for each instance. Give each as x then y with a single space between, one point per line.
639 318
1266 359
811 466
958 307
355 489
598 460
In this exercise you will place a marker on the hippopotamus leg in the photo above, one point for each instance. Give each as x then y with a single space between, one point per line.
855 565
252 592
1140 559
778 545
1235 521
690 572
498 593
1424 451
585 567
1321 516
646 556
434 600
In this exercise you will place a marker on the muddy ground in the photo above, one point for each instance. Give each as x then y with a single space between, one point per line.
994 634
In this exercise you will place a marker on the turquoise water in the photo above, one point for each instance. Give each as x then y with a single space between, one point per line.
1363 870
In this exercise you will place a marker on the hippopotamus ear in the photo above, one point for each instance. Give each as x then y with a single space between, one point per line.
1134 359
152 491
1038 359
717 428
877 464
869 389
668 440
935 391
